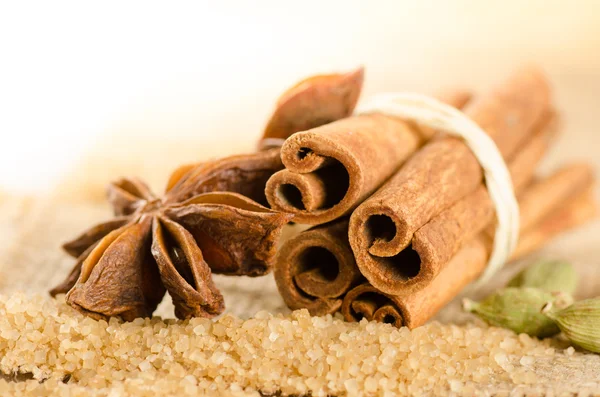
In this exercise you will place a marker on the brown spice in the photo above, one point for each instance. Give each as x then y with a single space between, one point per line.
557 191
315 101
314 269
576 211
434 244
438 176
415 308
331 169
122 265
212 218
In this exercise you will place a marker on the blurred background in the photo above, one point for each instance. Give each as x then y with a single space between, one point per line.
112 87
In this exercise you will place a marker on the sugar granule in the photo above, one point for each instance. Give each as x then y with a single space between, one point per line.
46 340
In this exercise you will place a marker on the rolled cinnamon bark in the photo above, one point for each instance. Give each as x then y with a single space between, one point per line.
576 212
316 268
437 201
331 169
416 308
434 244
557 190
537 202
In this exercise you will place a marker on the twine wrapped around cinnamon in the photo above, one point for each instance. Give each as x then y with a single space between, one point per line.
545 215
405 233
331 169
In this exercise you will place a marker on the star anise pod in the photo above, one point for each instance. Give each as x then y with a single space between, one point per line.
125 265
212 218
315 101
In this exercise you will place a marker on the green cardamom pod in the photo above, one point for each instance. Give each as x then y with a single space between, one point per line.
518 309
547 275
580 322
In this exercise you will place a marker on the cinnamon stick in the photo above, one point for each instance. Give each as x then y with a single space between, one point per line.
437 201
331 169
416 308
557 190
576 212
316 268
434 244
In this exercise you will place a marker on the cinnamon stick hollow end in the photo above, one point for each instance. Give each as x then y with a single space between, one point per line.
321 180
316 268
434 244
439 187
546 212
400 267
331 169
366 301
387 262
415 309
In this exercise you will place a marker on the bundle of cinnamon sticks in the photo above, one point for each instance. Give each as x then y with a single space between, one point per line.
404 221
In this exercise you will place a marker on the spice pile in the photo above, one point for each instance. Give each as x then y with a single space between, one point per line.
410 221
406 220
209 222
211 219
296 354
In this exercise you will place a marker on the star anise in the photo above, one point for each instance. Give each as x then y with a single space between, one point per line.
212 218
124 265
315 101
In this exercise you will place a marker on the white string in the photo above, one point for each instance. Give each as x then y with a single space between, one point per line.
270 143
432 113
